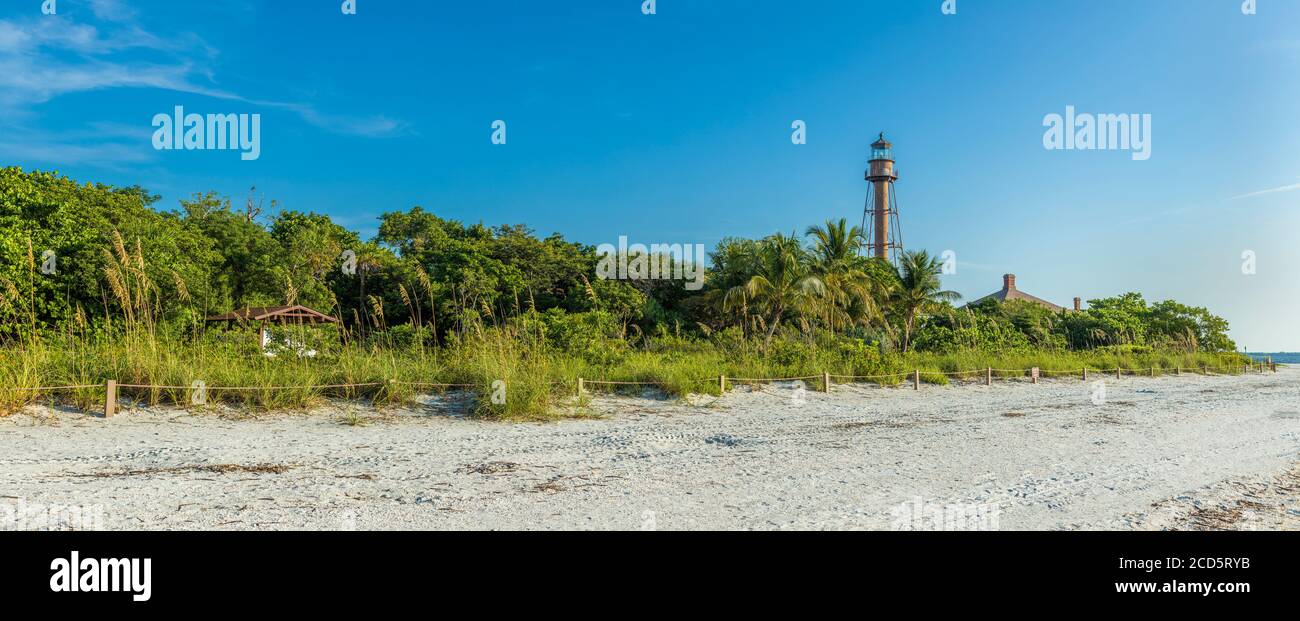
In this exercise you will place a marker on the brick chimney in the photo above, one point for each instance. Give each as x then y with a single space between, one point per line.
1078 304
1009 282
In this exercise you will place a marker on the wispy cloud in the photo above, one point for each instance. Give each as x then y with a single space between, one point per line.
1161 215
112 10
1285 188
107 145
43 58
107 155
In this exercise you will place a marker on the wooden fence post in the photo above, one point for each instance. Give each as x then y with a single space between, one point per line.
1119 372
1033 374
916 380
826 381
110 399
722 384
1085 374
1153 371
580 382
988 377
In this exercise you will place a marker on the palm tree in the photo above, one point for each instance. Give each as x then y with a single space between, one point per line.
850 291
732 265
782 282
835 245
919 290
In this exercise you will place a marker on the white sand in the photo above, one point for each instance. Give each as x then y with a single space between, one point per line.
1158 453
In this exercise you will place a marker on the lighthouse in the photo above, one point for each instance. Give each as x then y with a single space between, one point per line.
880 217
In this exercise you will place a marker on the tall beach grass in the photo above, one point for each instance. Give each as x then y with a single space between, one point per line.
159 370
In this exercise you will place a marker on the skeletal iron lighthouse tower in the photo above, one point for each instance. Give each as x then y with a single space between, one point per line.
880 217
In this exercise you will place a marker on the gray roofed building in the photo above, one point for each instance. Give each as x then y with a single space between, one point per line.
1010 292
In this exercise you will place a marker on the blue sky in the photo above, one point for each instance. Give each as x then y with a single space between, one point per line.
675 127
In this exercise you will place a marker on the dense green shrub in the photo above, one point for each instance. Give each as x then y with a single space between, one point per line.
469 303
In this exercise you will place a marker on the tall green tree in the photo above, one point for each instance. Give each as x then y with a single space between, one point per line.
851 291
783 283
919 290
57 240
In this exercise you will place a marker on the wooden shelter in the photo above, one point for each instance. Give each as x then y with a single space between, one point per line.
282 315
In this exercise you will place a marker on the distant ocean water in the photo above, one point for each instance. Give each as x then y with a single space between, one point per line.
1278 357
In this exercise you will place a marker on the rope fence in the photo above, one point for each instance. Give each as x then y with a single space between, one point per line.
111 387
249 388
50 388
430 384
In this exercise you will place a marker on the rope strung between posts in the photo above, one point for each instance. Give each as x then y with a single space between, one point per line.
746 380
610 383
871 376
741 380
254 388
50 388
